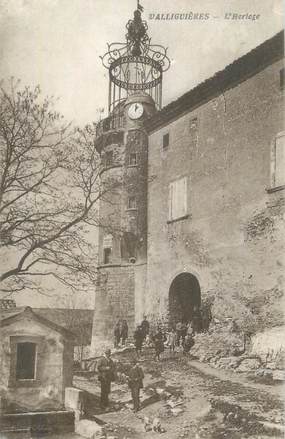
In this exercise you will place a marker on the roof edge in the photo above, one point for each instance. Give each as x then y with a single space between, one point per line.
29 312
241 69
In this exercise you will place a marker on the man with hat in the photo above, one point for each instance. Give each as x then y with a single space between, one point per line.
145 327
106 374
135 381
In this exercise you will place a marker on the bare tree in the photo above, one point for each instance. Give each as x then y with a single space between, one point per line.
50 187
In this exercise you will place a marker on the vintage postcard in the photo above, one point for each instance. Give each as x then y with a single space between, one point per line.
142 183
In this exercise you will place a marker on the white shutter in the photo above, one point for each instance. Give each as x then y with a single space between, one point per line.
170 201
177 202
180 198
185 196
280 161
108 241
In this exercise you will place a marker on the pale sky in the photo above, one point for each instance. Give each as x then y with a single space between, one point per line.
57 43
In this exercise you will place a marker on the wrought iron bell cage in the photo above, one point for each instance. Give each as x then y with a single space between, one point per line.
135 66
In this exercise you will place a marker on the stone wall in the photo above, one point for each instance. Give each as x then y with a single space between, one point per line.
269 344
114 300
232 240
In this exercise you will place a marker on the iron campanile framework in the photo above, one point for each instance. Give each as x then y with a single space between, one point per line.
135 65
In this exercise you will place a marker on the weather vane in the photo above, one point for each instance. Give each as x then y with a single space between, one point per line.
139 7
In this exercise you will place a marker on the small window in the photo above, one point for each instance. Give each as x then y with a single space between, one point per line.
26 361
165 140
108 158
132 203
133 159
177 199
107 255
193 124
281 77
108 241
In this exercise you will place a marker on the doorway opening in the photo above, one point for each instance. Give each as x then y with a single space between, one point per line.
184 296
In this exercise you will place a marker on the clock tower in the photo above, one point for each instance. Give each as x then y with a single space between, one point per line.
135 93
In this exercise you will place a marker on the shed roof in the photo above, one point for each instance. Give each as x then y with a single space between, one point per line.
28 312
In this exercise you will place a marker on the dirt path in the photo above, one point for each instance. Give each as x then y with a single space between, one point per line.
223 375
207 403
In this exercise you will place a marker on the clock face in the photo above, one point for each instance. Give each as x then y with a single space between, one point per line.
135 111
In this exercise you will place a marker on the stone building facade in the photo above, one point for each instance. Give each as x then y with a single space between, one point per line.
207 223
225 155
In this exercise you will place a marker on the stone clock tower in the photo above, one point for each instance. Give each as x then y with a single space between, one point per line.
135 92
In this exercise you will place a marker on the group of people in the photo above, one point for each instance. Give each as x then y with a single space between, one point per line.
180 335
183 335
107 373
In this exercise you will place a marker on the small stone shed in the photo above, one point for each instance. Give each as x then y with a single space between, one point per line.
36 361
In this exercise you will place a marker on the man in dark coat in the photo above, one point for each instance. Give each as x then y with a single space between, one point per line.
135 381
124 331
188 343
117 334
138 337
106 374
158 340
145 327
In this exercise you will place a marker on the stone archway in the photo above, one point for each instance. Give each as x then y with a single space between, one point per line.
184 295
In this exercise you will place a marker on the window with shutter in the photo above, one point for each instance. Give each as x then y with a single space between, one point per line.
132 203
279 179
108 159
277 174
165 140
177 199
107 255
281 78
133 159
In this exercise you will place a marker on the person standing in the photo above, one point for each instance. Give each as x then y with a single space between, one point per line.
106 374
138 337
145 327
117 334
183 331
172 340
124 332
188 343
179 332
135 382
158 340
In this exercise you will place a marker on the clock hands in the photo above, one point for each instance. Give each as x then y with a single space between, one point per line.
135 111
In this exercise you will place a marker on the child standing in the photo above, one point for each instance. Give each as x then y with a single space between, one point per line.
172 340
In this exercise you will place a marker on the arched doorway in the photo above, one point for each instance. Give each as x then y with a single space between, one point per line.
184 295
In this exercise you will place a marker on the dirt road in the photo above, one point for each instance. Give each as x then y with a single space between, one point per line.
191 400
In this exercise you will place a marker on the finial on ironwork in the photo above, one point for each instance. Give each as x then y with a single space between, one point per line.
139 7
